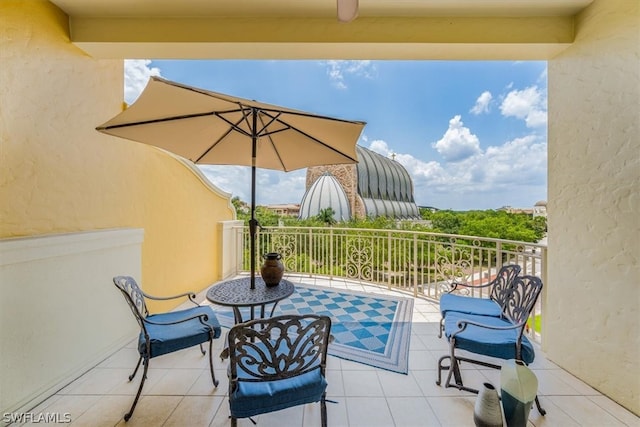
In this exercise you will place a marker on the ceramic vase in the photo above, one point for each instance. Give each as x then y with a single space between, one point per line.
272 269
518 389
487 411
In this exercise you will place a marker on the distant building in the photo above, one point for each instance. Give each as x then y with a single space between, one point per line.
375 186
285 210
540 209
325 192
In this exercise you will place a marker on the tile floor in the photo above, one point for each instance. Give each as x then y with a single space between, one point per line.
179 391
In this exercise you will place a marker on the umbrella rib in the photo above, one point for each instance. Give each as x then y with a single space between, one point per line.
234 126
288 126
165 119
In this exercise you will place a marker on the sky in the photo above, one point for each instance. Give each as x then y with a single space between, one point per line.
471 134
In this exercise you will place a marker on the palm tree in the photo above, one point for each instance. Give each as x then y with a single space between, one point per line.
326 216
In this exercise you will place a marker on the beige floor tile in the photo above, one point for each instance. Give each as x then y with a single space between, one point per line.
99 381
203 386
335 383
368 412
107 411
585 411
421 360
194 411
361 383
175 382
453 411
627 417
125 358
412 412
152 411
550 384
61 411
398 385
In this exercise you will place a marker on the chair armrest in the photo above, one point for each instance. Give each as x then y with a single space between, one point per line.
454 285
202 317
190 295
463 323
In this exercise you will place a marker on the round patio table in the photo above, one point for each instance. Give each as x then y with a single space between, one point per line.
237 293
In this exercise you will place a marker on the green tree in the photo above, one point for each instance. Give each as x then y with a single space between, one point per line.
326 216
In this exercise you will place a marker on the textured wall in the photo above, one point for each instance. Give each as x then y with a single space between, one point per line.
593 294
60 175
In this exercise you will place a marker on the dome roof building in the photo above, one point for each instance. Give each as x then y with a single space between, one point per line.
375 186
325 192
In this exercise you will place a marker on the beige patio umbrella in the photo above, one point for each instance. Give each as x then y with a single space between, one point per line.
215 129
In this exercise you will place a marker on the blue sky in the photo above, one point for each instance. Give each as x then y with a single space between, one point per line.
472 135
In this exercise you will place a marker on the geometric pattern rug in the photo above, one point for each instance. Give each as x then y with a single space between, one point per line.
367 328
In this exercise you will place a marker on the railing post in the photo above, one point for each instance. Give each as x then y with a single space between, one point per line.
415 265
498 255
331 253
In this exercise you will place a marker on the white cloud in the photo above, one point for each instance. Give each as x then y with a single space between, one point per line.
136 75
482 103
457 143
338 69
529 104
511 174
272 187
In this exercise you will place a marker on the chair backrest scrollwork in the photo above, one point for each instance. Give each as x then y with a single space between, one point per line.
503 282
521 300
278 347
134 297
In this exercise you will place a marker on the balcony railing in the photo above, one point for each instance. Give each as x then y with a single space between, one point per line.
420 263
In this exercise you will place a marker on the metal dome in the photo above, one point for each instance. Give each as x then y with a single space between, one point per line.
325 192
385 186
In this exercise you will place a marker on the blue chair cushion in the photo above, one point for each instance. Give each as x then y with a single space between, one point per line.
489 342
170 338
470 305
257 397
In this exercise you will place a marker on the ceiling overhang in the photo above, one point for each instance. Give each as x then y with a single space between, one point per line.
293 29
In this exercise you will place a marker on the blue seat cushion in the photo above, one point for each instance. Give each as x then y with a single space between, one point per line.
470 305
258 397
169 338
489 342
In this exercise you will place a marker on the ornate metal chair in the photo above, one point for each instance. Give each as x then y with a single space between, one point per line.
497 337
277 363
492 306
164 333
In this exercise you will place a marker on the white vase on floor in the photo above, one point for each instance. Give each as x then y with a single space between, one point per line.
487 411
518 389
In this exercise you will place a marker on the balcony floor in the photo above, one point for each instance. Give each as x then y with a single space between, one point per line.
179 392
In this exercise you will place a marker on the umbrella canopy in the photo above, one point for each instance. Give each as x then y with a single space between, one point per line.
216 129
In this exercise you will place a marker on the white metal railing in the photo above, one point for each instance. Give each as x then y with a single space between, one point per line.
420 263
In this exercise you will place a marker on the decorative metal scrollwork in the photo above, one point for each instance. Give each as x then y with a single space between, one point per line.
134 297
523 295
359 258
278 347
286 245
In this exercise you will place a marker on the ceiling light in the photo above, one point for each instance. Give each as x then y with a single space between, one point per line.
347 10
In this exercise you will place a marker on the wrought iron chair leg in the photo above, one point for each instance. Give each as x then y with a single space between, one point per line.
202 350
136 369
135 401
234 422
542 411
323 410
441 368
441 327
213 375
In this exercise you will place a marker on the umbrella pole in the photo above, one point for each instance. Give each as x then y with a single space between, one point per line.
253 223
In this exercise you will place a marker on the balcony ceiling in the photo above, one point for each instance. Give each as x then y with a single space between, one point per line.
298 29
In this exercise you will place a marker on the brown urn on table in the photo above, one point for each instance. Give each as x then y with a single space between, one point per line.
272 269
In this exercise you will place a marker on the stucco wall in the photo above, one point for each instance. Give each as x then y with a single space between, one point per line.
593 294
60 175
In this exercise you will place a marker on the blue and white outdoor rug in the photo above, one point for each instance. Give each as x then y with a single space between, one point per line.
367 328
